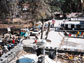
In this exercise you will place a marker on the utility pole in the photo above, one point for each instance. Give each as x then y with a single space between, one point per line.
42 29
47 30
82 1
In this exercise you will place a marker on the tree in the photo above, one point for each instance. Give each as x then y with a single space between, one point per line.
3 9
37 9
71 6
8 9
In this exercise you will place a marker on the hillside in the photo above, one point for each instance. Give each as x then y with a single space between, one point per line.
35 10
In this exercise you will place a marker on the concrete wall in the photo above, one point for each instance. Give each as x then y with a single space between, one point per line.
9 56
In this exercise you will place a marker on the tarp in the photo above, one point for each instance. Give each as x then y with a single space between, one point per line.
28 58
26 34
8 29
25 60
22 33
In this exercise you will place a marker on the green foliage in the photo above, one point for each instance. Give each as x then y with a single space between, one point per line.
4 10
55 8
39 9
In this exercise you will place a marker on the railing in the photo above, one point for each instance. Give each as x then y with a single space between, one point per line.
57 49
9 56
